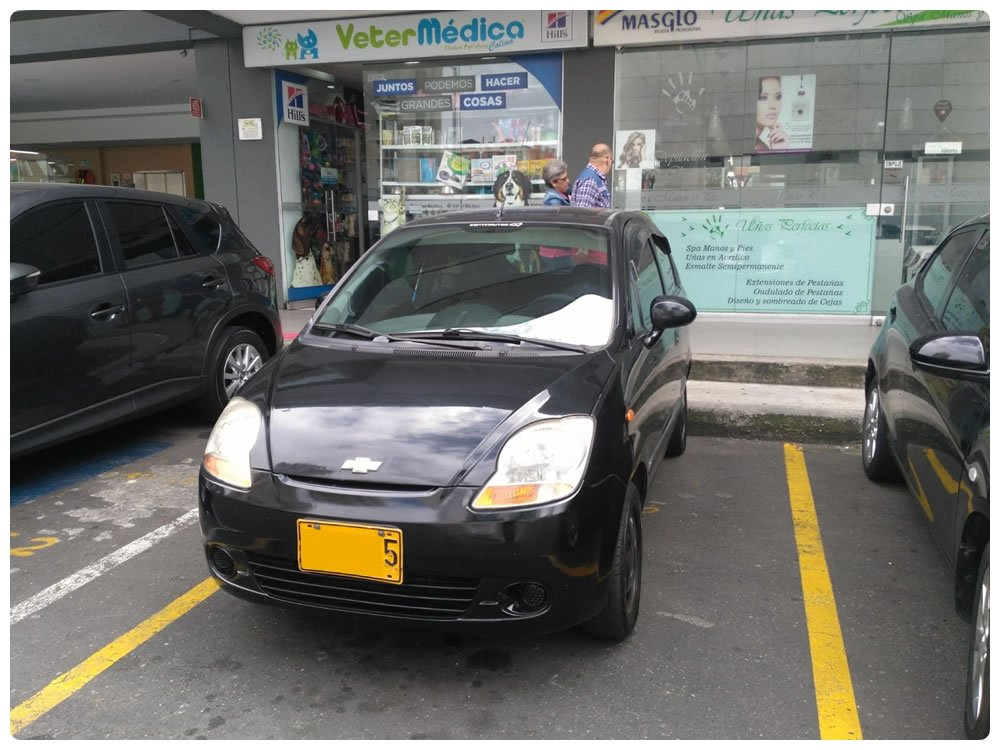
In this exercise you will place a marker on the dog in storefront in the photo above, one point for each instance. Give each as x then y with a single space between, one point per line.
511 188
327 271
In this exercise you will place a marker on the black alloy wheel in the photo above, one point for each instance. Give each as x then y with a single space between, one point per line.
678 440
621 607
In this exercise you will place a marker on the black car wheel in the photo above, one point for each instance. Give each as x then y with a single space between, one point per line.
678 440
977 679
875 454
239 354
621 608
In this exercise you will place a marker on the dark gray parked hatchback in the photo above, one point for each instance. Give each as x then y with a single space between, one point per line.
123 302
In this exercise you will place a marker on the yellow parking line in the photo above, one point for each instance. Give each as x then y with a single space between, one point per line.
63 686
835 704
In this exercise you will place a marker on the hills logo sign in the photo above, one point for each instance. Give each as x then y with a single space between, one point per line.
296 104
557 25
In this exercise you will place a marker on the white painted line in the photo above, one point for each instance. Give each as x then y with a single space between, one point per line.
71 583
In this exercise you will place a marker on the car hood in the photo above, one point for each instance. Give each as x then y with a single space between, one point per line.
421 416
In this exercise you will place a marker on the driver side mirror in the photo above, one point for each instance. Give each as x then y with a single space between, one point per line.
667 311
23 278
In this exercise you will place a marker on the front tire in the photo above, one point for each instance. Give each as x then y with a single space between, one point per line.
977 679
239 354
621 608
678 440
876 457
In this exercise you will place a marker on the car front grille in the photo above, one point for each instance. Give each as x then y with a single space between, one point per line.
432 598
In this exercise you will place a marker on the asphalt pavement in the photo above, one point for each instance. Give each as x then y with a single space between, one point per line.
115 633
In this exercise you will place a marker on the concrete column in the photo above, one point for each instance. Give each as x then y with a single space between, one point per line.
588 104
240 175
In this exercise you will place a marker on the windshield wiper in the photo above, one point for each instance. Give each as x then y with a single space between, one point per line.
353 329
367 333
470 334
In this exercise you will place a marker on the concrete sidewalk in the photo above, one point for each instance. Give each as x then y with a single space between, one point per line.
764 377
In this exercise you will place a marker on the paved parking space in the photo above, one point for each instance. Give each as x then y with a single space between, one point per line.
723 648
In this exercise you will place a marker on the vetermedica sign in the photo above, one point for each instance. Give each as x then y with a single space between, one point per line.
413 36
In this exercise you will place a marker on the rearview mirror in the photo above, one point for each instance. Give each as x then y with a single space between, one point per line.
952 355
23 278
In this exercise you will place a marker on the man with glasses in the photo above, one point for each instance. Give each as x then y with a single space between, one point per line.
591 187
555 173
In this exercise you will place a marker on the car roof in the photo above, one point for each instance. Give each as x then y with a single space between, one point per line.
32 193
984 219
534 214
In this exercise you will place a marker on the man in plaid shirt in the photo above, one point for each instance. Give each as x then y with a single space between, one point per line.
591 187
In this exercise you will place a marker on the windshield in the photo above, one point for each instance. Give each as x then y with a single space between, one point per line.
548 282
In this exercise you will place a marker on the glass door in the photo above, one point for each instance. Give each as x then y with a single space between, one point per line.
936 168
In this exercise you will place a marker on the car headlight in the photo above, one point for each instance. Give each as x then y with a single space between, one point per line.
227 455
543 462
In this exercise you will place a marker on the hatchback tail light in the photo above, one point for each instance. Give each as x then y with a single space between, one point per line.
264 263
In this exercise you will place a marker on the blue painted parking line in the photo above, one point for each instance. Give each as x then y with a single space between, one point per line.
82 470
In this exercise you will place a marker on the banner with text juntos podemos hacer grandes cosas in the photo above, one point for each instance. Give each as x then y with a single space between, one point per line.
782 260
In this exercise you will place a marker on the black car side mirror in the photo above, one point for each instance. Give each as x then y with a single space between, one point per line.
667 311
23 278
952 354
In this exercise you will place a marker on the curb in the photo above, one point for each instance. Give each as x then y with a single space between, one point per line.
778 427
833 373
768 411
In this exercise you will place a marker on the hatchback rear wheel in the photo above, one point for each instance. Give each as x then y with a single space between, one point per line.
239 354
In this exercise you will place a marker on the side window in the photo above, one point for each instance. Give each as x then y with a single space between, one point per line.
936 276
204 227
184 246
666 262
58 240
143 233
968 308
644 272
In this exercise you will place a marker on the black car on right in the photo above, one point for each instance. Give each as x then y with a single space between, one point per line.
927 419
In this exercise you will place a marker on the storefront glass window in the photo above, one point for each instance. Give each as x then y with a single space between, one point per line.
770 165
443 133
321 186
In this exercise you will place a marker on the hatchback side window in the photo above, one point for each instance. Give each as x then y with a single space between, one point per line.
204 227
667 267
644 273
58 240
936 276
968 308
143 233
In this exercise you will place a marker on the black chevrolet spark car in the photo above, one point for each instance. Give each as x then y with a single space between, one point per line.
927 419
466 430
125 301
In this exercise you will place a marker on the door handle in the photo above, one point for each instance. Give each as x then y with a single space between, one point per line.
106 312
211 282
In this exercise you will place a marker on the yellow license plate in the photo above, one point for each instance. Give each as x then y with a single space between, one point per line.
374 553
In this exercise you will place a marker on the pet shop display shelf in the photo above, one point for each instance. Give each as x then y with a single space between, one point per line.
468 146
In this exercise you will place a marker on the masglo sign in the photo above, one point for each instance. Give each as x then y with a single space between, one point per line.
412 36
623 27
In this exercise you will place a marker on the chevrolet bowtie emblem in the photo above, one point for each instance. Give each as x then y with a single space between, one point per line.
361 465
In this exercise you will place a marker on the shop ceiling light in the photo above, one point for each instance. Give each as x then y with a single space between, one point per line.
15 151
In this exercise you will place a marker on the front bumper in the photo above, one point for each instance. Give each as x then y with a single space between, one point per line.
459 566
